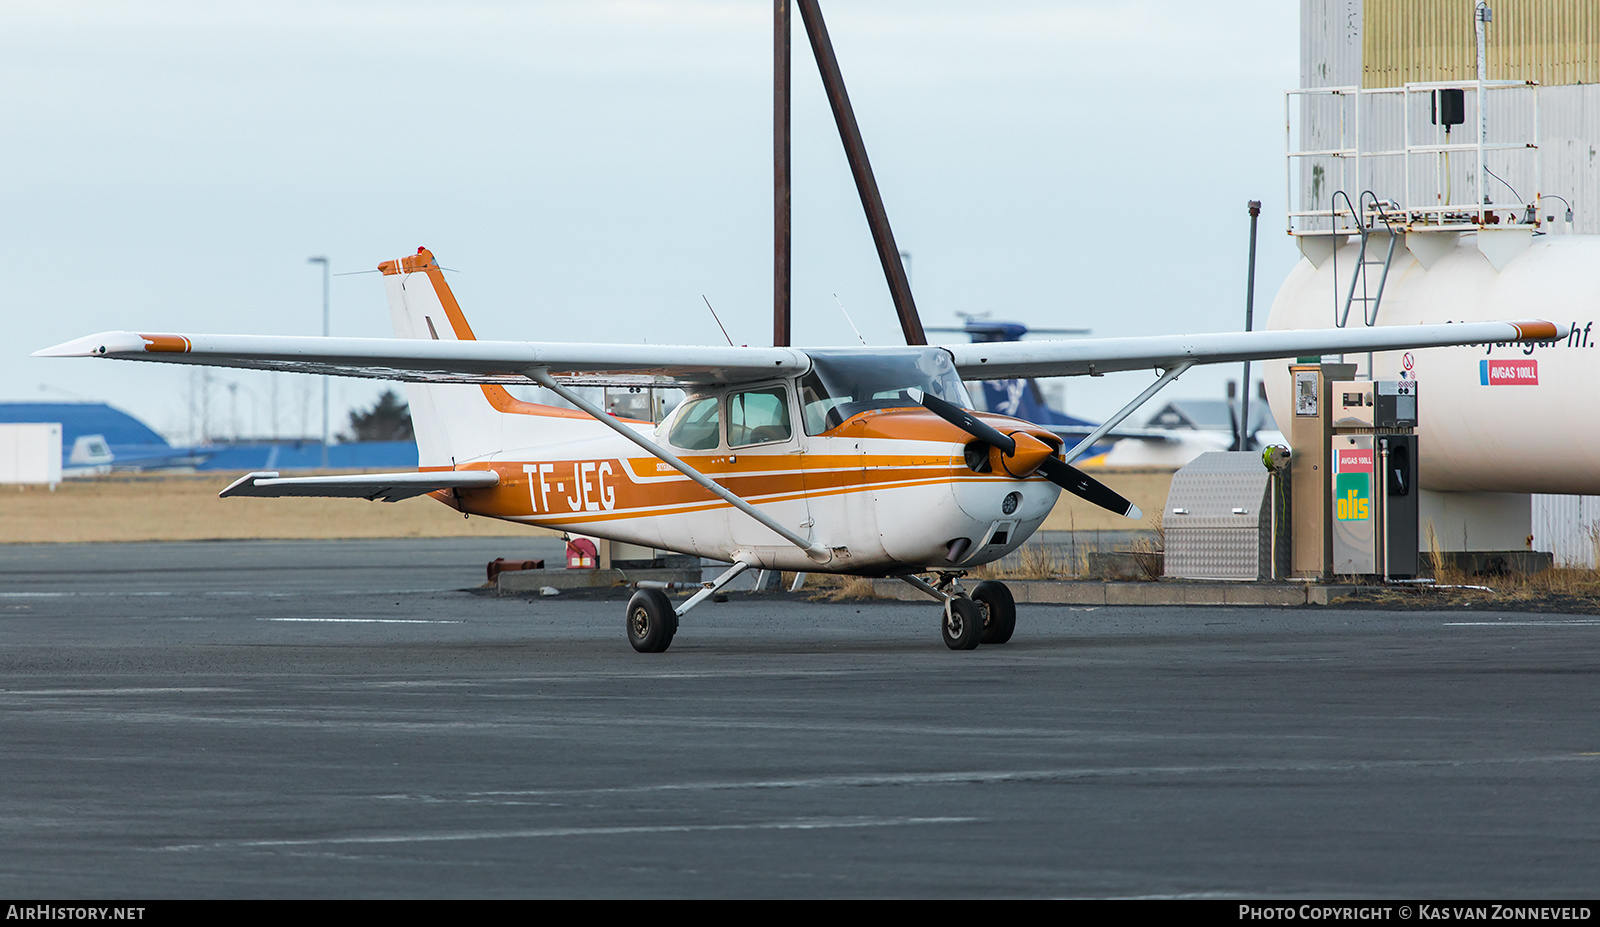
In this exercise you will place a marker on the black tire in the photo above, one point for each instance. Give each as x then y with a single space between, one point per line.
999 611
651 621
962 623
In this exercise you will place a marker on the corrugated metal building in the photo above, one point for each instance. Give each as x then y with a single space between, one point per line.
1569 528
1382 46
1370 130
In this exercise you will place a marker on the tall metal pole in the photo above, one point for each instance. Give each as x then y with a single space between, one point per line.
856 151
1249 321
1481 16
324 262
781 332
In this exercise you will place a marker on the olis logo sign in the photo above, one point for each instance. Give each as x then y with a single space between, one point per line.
1353 496
1352 485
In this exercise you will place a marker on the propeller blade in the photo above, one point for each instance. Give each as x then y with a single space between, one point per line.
1087 487
969 423
1058 471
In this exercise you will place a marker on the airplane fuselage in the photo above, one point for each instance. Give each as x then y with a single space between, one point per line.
887 491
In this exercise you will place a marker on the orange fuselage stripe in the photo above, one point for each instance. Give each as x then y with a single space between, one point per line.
570 491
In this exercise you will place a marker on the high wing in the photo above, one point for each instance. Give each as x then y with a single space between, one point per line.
447 361
1017 359
509 362
389 487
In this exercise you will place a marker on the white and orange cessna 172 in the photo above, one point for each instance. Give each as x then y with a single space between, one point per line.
860 461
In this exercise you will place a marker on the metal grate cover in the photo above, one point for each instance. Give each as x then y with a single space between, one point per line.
1218 523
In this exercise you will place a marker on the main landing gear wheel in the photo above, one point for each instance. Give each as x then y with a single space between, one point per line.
651 621
963 623
999 611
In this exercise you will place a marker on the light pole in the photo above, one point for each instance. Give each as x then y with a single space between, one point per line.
1249 323
324 262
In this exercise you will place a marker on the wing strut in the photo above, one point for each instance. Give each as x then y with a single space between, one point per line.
815 551
1172 374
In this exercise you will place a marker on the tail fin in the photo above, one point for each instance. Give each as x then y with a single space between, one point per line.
454 423
1023 399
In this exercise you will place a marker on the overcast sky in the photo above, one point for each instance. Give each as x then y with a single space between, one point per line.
593 168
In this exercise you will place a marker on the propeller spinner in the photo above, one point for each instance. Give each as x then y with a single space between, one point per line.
1022 455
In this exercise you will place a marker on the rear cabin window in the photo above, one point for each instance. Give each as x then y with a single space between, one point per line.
695 428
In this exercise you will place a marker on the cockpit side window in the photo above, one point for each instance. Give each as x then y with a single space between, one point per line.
695 428
758 416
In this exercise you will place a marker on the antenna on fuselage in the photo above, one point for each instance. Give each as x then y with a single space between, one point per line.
717 320
850 320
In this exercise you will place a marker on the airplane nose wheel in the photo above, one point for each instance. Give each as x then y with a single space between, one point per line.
963 623
651 621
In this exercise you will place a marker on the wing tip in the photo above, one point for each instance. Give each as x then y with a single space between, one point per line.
102 344
238 486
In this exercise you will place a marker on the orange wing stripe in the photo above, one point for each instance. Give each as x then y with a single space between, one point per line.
1535 331
166 344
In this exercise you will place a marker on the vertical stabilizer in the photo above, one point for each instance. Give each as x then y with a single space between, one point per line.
453 423
460 423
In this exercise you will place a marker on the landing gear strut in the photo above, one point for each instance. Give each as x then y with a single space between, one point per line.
989 616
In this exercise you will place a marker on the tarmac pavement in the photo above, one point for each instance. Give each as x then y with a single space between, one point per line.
339 719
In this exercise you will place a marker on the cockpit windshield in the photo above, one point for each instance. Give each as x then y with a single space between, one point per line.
844 383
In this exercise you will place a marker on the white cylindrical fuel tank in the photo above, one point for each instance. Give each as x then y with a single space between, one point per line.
1492 418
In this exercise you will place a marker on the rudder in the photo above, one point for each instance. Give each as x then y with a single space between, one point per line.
458 423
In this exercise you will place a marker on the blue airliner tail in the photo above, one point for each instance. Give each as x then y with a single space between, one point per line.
1022 398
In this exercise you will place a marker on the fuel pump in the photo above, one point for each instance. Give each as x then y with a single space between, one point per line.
1354 475
1374 467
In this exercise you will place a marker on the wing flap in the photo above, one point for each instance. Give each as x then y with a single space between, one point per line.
388 487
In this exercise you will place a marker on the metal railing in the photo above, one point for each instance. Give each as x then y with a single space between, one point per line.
1418 210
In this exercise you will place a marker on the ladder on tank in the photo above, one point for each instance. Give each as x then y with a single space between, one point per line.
1364 220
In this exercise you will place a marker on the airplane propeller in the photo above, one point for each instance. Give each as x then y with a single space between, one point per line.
1022 455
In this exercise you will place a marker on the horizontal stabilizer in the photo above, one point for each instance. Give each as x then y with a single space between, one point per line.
389 487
